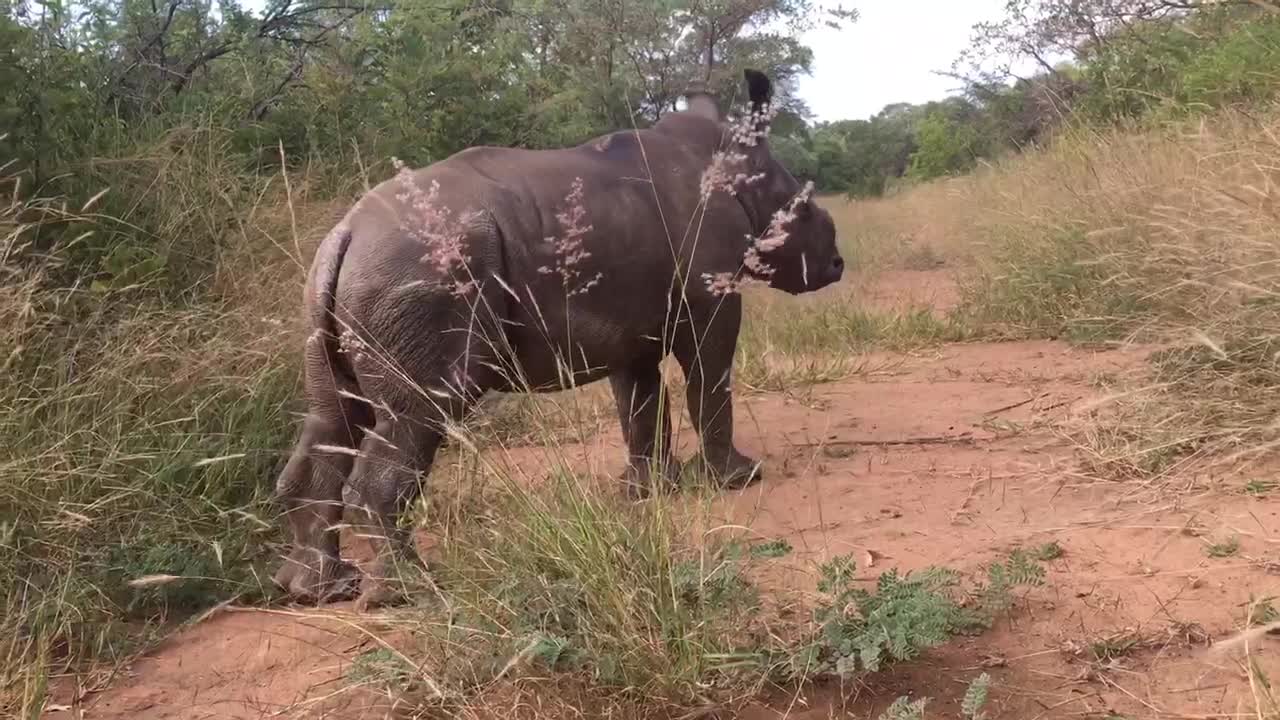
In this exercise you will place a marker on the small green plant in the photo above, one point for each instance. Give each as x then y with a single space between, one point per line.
860 631
1223 549
1020 569
380 667
552 652
922 257
1260 488
975 697
722 585
1048 551
1261 612
904 708
1115 646
772 549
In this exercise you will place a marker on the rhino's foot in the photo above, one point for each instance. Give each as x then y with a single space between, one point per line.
380 593
383 588
310 577
639 481
734 472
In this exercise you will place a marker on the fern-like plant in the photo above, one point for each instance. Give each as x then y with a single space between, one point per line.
1020 569
975 696
905 709
860 631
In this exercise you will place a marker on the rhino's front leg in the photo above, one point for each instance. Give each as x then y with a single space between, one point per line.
642 400
704 347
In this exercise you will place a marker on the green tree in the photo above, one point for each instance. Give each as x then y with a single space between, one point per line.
945 147
794 154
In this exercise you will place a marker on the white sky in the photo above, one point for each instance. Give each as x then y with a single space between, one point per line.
889 55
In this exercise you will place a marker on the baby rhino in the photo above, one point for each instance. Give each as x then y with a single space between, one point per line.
513 270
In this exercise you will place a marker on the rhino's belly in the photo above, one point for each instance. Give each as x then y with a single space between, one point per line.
557 382
587 351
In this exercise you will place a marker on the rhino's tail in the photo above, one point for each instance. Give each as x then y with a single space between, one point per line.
322 290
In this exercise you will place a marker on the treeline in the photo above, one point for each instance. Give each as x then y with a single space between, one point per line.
161 102
152 98
1093 61
864 158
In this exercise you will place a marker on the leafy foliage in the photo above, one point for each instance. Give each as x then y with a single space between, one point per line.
944 148
1020 569
861 631
975 696
772 549
904 708
1122 59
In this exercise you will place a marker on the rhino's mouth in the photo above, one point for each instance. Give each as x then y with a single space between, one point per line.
805 276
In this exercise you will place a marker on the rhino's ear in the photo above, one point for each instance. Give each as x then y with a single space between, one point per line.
701 102
759 89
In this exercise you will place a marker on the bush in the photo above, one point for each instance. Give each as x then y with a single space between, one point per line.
944 148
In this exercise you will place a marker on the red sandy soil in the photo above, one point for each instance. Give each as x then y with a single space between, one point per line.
943 458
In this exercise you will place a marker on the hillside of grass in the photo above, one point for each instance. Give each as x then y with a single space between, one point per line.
1162 234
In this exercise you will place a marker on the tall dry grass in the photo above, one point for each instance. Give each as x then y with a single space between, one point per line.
1164 235
143 427
1167 236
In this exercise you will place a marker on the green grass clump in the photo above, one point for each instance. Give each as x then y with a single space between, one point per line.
597 585
1260 488
1224 549
784 347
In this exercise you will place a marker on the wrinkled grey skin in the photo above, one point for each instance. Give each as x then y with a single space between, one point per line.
376 410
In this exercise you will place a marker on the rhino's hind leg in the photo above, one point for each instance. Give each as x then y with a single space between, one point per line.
705 347
394 460
642 400
310 488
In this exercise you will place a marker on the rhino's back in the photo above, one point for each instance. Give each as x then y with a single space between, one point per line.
634 222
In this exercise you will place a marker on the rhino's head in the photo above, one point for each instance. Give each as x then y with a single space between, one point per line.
794 247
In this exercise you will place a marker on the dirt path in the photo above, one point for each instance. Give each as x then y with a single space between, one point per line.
974 481
943 458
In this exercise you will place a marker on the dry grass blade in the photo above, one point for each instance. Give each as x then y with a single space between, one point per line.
1246 638
147 581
